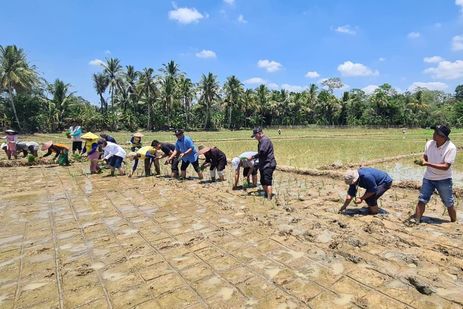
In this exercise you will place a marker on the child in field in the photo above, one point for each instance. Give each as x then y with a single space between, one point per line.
135 141
11 139
61 152
91 147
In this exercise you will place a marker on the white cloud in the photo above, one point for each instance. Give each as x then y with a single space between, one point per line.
349 68
382 59
460 4
107 52
96 62
433 59
312 74
457 42
255 81
206 54
414 35
269 65
428 85
273 86
347 29
185 15
370 89
293 88
241 19
447 70
230 2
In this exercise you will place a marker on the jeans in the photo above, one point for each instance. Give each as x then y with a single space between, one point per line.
444 187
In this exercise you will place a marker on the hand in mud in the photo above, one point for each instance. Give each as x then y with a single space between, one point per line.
358 200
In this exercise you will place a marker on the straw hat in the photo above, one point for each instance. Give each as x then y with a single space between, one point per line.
10 131
90 136
138 134
203 149
46 145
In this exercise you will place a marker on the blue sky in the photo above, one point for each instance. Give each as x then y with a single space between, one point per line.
285 44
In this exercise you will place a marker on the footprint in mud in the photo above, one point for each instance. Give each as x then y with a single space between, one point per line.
107 275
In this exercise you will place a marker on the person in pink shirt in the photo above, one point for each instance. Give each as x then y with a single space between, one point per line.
11 139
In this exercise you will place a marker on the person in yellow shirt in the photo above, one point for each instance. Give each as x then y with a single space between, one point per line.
148 154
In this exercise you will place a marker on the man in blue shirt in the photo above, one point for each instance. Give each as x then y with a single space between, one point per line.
375 183
186 151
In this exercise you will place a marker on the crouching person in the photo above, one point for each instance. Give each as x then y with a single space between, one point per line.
114 155
166 150
249 168
215 159
148 155
61 152
28 147
374 181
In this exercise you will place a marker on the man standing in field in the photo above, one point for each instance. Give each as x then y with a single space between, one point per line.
76 131
267 162
186 151
439 155
375 183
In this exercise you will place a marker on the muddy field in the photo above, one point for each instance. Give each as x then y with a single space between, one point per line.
71 240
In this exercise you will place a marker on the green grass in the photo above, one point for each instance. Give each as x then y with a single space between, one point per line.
305 148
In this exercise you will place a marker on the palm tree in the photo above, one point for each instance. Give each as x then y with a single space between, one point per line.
147 88
186 90
131 76
100 83
169 84
262 100
233 90
16 74
60 99
113 71
209 89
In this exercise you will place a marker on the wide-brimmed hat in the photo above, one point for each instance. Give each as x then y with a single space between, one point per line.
46 145
442 130
10 131
203 149
90 136
255 131
138 134
351 177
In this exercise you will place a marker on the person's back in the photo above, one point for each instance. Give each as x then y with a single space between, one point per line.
369 174
266 153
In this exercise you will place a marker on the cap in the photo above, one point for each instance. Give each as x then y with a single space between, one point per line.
255 131
442 130
351 177
178 132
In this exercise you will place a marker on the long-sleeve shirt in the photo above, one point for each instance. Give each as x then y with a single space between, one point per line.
57 149
265 154
111 139
214 156
167 148
112 149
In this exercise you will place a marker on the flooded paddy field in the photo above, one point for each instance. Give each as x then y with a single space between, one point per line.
73 240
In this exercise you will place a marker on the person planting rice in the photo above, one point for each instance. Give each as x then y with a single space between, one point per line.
75 131
215 159
28 147
249 168
61 152
108 138
148 154
267 162
186 151
114 155
135 141
439 155
374 181
167 150
91 147
11 140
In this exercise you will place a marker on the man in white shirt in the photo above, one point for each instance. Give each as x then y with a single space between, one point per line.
439 155
114 155
249 168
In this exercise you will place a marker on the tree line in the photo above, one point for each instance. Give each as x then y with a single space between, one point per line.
166 98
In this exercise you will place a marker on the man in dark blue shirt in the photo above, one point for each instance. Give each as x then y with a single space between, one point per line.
375 183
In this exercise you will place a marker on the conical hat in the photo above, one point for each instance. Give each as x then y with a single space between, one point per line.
90 136
46 145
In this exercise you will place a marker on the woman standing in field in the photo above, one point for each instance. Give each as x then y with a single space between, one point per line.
91 148
11 140
61 152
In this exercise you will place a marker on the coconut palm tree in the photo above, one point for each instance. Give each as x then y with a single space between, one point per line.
169 83
209 93
60 99
186 91
147 88
16 74
100 83
233 90
113 71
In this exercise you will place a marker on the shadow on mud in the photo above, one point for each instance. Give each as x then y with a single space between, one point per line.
363 212
433 220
